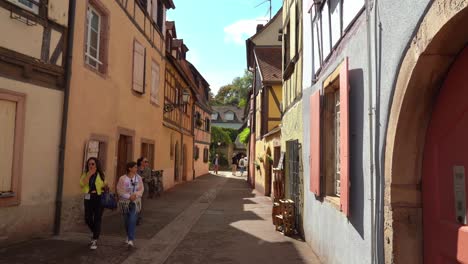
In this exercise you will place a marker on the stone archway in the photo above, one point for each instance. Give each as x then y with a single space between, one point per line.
440 37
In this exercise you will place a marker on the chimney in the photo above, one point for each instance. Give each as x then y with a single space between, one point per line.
259 27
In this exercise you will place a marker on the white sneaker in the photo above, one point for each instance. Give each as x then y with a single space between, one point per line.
93 245
130 243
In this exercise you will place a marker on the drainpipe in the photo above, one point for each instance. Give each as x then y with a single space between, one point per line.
370 112
63 132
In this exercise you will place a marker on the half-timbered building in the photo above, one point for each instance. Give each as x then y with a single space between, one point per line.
32 84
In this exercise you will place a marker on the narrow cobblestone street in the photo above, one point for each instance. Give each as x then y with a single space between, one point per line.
214 219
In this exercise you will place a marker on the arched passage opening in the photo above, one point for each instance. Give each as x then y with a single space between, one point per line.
440 38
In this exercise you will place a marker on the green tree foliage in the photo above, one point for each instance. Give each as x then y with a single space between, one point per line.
244 135
218 134
234 93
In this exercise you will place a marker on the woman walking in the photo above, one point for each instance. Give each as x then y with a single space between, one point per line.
92 184
130 189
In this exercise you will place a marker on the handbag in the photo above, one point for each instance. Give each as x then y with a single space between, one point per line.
108 200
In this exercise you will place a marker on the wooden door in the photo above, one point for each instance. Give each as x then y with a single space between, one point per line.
444 168
184 163
176 163
123 155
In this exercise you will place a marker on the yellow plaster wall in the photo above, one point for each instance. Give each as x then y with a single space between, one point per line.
261 149
101 104
21 38
43 118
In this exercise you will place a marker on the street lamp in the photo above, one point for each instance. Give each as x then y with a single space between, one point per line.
169 107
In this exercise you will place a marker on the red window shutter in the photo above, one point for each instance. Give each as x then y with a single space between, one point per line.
344 140
138 67
315 143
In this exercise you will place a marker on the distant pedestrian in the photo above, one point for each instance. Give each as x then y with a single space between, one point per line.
216 164
145 172
234 161
92 184
130 189
242 164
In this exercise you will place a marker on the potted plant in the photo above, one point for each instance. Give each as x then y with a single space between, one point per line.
260 158
257 166
269 158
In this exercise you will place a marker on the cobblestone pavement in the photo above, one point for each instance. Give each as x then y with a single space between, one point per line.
214 219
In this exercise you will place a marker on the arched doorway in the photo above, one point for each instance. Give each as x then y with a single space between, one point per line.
441 37
445 159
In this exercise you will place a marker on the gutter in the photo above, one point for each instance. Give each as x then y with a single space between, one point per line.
63 132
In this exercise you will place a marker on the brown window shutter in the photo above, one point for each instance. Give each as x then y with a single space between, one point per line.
138 67
344 140
315 143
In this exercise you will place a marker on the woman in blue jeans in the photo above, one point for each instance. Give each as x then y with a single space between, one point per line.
130 189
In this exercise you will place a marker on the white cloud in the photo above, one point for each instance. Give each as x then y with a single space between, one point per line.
240 30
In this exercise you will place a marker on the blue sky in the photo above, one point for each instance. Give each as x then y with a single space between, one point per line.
215 32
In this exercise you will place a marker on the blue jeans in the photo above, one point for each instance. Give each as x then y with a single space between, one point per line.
130 220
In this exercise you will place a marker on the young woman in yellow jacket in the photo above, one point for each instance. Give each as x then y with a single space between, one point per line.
92 184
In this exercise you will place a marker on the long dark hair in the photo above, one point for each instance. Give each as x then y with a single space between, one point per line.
98 167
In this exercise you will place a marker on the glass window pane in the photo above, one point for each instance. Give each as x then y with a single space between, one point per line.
335 10
94 21
350 9
326 31
316 47
7 139
94 38
26 3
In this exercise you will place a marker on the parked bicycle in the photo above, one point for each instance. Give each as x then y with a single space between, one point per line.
155 185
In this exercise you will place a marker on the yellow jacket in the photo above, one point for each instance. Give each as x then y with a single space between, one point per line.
99 184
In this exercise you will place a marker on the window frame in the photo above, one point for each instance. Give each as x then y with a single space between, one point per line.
34 10
89 29
231 113
103 37
13 198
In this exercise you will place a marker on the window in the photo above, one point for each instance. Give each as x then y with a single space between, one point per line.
331 134
171 147
155 82
287 46
207 124
142 3
229 116
96 37
11 145
147 151
97 149
330 21
139 66
214 116
196 153
205 155
30 5
329 140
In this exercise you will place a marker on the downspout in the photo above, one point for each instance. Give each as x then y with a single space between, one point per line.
63 132
370 112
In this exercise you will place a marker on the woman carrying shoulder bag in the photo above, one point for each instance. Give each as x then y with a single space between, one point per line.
92 184
130 189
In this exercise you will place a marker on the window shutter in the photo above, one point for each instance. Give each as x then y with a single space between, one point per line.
344 140
315 143
8 117
154 82
138 67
